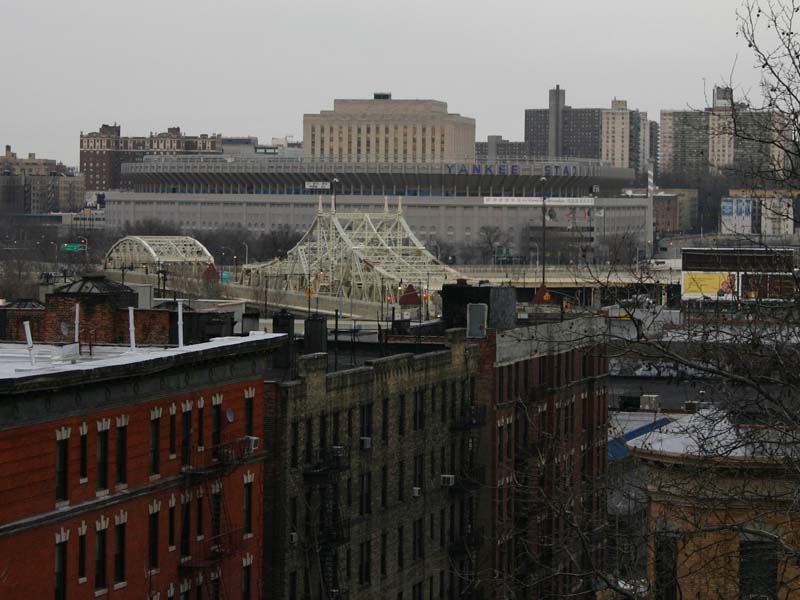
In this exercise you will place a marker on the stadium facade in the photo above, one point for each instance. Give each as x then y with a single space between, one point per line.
444 203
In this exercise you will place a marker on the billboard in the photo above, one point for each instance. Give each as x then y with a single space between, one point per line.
736 216
717 285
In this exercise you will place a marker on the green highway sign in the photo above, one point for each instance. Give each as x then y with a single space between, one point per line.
72 247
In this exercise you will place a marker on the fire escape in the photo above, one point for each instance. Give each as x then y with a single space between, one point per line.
333 527
465 483
221 541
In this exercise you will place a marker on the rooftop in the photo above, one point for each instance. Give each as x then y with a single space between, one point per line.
62 361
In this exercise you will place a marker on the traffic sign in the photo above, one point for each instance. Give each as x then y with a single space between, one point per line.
73 247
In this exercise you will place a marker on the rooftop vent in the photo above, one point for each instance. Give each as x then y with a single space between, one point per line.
382 96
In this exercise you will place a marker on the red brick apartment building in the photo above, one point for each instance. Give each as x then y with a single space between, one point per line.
133 475
543 389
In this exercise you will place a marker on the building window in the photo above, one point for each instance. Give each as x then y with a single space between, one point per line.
366 420
293 585
384 549
216 430
171 527
365 563
365 496
384 485
83 472
81 557
155 467
61 571
122 455
758 569
248 416
294 442
119 553
400 547
418 539
102 460
248 507
666 567
186 438
200 435
186 526
172 436
100 560
246 582
62 467
401 476
152 541
419 470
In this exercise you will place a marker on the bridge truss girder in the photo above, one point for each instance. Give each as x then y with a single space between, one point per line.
363 256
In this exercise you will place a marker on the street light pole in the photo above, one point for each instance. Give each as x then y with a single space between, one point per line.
543 180
246 252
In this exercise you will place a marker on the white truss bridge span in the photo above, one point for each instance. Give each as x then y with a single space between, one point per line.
354 255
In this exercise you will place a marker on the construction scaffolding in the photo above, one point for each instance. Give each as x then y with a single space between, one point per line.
360 256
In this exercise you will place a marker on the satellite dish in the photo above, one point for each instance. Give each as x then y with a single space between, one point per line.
229 415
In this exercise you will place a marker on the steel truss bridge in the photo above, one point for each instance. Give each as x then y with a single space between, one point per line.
358 256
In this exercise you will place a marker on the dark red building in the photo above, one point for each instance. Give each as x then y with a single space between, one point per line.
133 475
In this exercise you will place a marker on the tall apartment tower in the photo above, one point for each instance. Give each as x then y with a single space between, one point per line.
389 131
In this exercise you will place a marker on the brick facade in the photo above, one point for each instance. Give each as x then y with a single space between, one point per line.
54 502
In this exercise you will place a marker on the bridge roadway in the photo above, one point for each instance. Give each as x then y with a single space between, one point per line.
564 276
524 276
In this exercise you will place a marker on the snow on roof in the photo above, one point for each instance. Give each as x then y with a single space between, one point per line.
626 426
712 434
52 359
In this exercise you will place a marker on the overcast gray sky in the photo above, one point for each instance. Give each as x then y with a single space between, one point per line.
255 66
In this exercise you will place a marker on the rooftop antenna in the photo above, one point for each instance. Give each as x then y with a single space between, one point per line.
131 329
29 341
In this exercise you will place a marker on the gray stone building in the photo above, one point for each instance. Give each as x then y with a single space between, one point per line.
373 488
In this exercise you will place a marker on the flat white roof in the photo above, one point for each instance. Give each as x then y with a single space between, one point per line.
49 358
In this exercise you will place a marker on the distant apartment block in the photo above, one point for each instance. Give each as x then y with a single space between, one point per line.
389 131
103 152
618 135
496 149
725 137
38 185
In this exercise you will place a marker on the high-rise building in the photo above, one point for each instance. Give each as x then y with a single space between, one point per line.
617 135
103 152
389 131
727 137
652 158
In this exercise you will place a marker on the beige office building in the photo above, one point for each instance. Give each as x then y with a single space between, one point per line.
383 130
